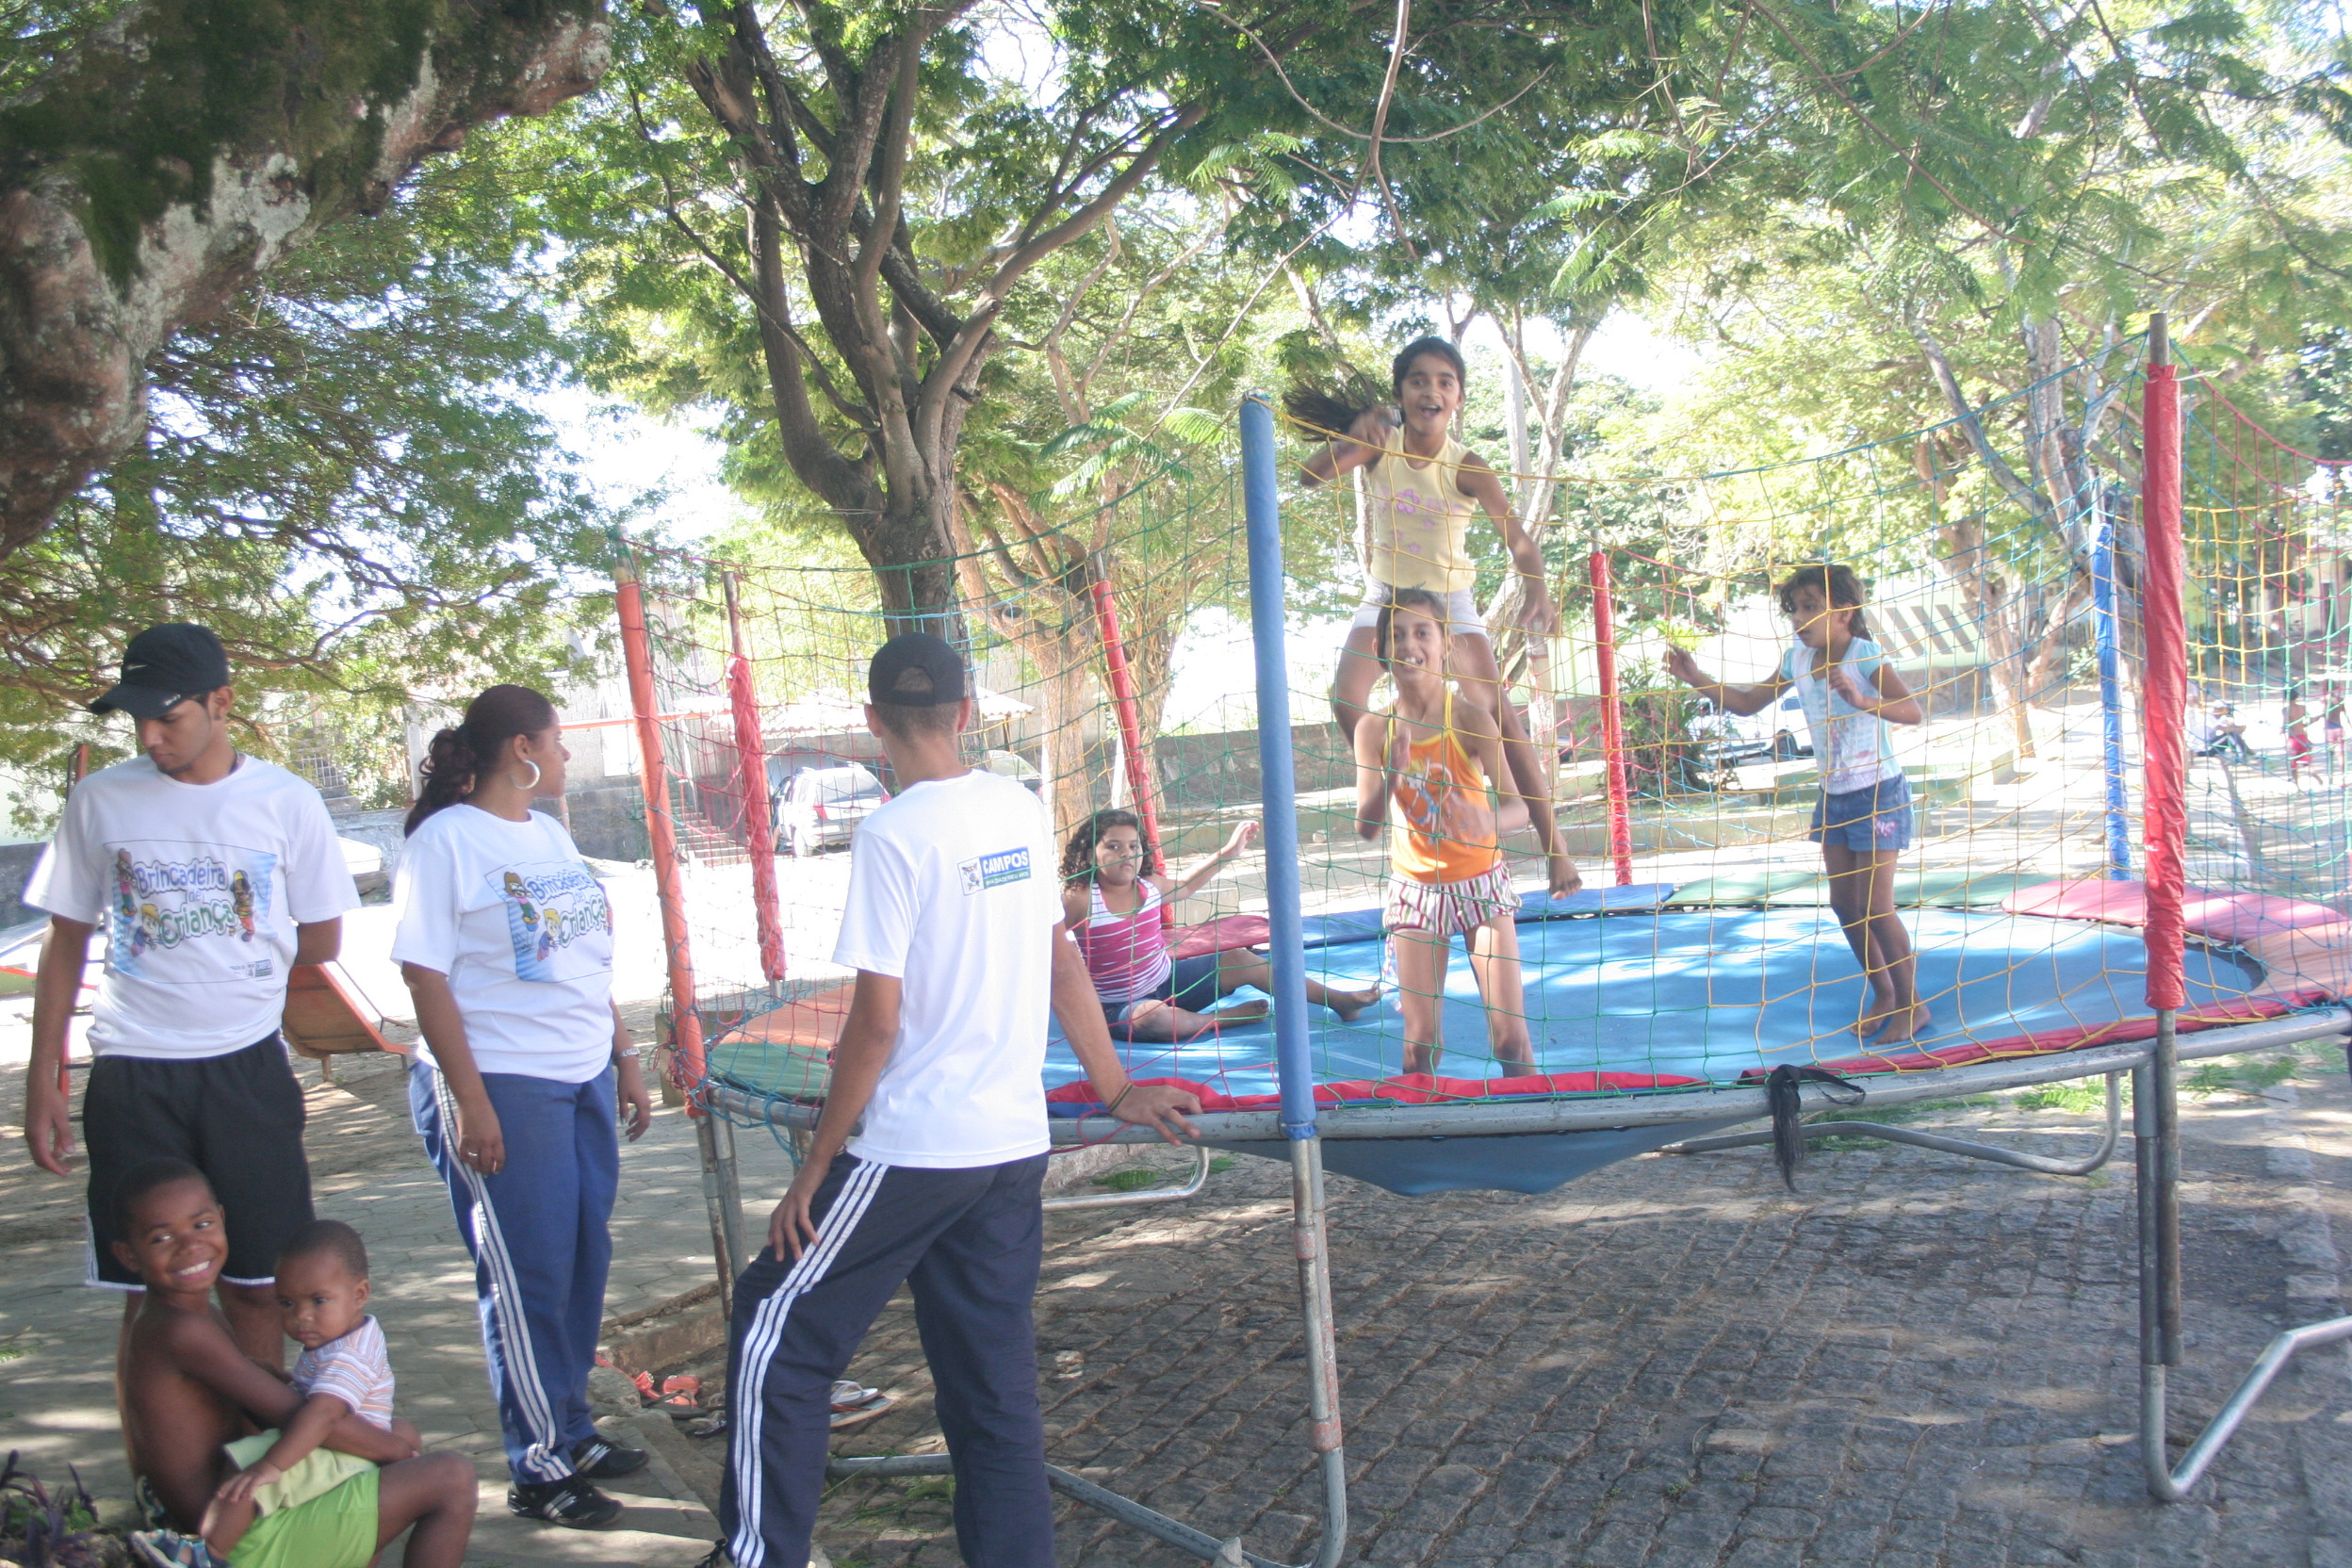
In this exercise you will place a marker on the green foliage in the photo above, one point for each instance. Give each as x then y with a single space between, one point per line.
2081 1097
144 134
345 475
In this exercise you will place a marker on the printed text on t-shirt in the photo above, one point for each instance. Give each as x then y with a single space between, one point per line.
549 907
983 871
173 894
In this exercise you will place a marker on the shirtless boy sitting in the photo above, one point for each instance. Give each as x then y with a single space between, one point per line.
187 1390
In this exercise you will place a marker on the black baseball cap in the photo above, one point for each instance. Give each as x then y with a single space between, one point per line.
940 679
163 666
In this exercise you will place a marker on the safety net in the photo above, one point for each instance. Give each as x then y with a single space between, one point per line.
2002 558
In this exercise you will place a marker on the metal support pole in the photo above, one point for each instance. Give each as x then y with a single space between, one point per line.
1612 719
2156 1112
661 835
2110 696
1286 954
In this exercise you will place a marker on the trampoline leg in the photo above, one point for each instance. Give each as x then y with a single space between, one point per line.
1315 1292
723 1195
2156 1139
1314 1295
2041 1162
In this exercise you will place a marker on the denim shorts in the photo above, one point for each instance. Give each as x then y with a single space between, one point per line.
1877 817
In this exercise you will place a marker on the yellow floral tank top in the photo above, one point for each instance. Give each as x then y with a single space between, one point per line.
1445 813
1418 521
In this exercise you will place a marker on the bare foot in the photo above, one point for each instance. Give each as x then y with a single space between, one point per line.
1249 1012
1349 1004
1905 1026
1514 1068
1874 1016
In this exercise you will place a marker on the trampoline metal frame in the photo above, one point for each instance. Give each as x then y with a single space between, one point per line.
2154 1067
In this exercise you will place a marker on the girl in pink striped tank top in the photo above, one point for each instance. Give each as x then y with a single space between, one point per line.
1117 911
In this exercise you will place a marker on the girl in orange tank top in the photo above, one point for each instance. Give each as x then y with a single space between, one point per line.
1433 763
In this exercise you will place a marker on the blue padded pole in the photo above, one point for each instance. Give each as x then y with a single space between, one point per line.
2110 700
1268 597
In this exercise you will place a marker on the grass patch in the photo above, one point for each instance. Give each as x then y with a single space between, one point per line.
2082 1097
1137 1177
2240 1074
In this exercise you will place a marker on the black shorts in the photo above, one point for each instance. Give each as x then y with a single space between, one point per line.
237 1117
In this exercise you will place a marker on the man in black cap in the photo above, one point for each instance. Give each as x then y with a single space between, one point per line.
213 874
925 1164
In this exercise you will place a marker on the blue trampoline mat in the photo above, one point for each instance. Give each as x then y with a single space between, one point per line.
1704 993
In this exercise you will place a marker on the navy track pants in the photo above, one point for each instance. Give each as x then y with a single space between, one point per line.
968 1242
539 1235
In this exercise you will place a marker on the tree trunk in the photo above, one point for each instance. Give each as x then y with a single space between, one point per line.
109 245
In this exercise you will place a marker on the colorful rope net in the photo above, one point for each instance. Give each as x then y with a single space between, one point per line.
2002 558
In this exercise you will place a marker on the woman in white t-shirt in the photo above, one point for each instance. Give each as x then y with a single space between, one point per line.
506 942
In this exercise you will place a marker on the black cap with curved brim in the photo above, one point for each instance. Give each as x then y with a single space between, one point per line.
163 666
915 669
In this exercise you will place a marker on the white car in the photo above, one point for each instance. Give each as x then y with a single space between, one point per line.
1006 764
1778 732
819 809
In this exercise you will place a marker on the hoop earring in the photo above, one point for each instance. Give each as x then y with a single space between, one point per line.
533 782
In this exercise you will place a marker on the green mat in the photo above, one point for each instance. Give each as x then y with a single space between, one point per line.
1939 888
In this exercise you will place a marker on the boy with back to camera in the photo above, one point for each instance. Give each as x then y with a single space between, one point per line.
189 1394
927 1162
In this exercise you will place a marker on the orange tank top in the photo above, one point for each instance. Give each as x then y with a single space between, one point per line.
1445 822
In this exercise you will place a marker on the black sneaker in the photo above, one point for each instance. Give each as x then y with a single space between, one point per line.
572 1502
600 1460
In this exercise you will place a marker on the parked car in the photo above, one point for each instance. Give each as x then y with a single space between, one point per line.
1778 732
1006 764
819 809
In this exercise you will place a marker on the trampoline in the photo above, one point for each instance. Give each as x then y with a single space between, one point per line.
1660 1012
1633 992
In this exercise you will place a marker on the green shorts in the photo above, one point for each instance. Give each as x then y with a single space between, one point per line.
334 1530
316 1474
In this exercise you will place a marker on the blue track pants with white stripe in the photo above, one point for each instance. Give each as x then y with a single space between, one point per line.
539 1233
967 1243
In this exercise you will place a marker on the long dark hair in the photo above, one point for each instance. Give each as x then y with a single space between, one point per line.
458 757
1327 410
1840 588
1078 856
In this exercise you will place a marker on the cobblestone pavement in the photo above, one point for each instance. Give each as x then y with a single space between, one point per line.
57 1338
1917 1362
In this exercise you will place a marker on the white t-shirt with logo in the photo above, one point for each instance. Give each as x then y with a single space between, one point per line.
199 888
510 912
952 892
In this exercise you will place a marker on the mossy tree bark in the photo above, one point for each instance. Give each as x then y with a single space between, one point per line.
164 165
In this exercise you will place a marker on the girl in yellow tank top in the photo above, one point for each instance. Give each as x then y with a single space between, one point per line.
1433 763
1416 521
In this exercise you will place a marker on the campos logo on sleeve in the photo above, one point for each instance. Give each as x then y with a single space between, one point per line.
984 872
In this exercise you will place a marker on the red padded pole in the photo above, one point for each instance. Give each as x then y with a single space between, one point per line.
1130 720
1612 721
637 652
751 771
2165 699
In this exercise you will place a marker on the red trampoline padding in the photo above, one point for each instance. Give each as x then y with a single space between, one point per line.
1418 1089
1221 935
2220 916
2050 1041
